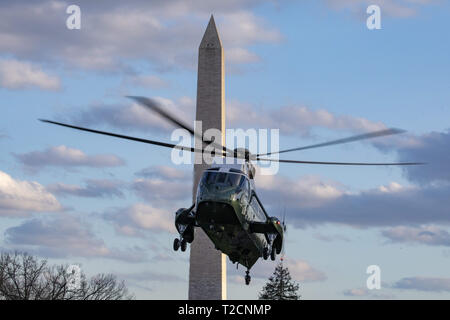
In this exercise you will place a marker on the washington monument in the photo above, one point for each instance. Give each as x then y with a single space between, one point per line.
207 269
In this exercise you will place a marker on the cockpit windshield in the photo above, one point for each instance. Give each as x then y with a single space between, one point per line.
223 178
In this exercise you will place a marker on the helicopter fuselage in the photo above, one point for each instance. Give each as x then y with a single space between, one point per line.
231 214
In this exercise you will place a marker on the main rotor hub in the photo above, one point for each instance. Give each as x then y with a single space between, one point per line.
242 153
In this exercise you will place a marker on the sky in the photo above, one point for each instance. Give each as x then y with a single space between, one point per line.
311 69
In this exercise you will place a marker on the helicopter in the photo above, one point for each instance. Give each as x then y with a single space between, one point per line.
227 207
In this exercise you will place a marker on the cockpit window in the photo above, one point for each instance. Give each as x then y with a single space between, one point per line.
243 183
210 177
221 177
229 179
234 179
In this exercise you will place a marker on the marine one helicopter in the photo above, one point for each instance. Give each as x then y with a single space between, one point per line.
227 207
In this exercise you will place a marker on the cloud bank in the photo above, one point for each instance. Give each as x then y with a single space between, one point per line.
19 197
62 156
16 74
65 236
160 32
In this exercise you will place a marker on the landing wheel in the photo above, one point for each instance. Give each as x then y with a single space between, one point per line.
183 245
273 254
247 277
176 244
265 253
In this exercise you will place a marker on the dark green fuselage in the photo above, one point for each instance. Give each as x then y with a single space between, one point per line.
229 211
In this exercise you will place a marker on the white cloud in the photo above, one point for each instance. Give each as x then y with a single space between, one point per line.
63 156
57 234
424 284
432 148
304 192
392 187
162 190
133 116
65 236
428 235
331 237
164 172
356 292
314 201
291 120
152 276
147 217
295 119
93 189
164 33
243 28
139 219
146 81
365 294
18 198
394 8
16 74
164 185
300 270
241 55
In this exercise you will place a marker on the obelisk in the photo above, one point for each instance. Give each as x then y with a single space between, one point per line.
207 270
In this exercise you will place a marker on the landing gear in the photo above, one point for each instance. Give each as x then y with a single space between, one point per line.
183 245
265 253
176 244
184 223
272 254
247 277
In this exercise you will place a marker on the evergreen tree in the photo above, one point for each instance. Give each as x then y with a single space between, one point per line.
280 286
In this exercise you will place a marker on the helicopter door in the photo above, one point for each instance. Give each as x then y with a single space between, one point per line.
257 214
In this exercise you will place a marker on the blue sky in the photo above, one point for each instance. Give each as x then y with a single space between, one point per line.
310 68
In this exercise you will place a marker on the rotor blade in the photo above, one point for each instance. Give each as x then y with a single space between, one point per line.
153 105
345 163
369 135
158 143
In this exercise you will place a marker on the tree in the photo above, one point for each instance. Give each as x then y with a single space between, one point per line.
280 286
24 277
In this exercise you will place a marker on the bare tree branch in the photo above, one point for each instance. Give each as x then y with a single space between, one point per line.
24 277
